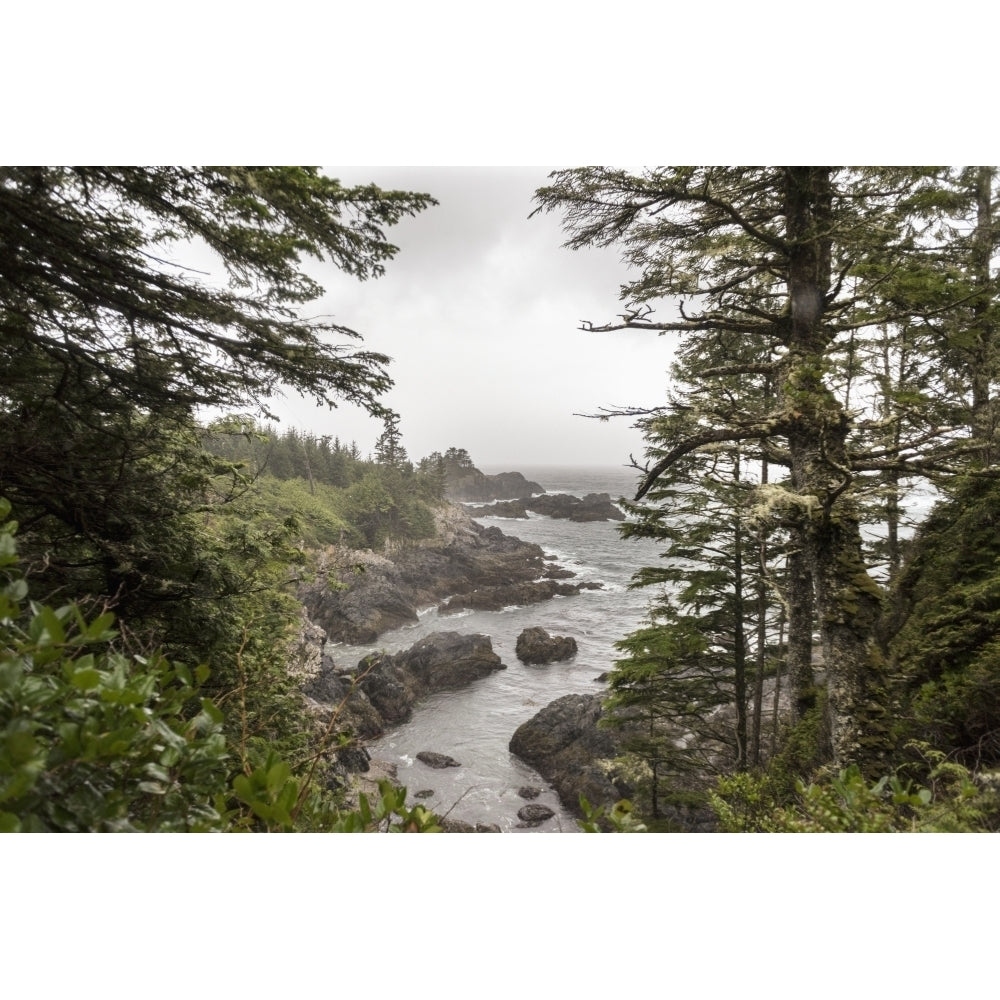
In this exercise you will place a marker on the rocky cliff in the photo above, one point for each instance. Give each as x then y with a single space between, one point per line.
473 485
358 595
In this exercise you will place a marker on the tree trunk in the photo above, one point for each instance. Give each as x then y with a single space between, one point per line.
762 605
983 362
847 599
801 683
739 638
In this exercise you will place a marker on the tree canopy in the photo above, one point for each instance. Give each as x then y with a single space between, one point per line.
93 284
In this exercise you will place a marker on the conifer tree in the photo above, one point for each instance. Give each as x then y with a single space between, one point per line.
796 259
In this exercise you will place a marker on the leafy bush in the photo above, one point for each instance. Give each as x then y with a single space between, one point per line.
92 739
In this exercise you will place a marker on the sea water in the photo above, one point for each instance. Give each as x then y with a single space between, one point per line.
474 725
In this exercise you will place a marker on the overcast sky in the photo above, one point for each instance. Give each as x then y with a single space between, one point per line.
480 312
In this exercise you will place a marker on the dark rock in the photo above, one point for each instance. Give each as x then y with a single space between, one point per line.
563 743
499 597
593 507
535 645
424 793
437 760
529 792
460 826
440 661
602 678
383 688
359 595
474 485
502 508
535 812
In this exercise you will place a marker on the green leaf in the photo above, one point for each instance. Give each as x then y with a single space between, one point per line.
85 679
9 823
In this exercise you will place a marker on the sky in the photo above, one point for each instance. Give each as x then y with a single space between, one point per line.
480 311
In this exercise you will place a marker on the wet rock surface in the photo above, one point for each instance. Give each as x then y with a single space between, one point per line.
534 813
383 688
358 595
592 507
535 645
563 743
437 760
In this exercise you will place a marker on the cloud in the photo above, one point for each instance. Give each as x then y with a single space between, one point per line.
480 311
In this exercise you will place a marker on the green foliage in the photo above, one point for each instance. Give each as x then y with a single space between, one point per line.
941 635
619 818
93 739
86 281
947 800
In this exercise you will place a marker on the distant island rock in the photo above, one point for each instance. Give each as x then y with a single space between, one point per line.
478 486
463 482
592 507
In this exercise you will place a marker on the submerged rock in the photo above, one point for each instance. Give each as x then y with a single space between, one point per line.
535 645
438 760
529 792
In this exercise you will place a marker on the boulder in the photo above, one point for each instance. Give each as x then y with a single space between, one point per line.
535 813
535 645
437 760
529 792
460 826
383 688
564 744
438 662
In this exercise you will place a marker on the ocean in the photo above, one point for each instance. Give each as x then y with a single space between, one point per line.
474 725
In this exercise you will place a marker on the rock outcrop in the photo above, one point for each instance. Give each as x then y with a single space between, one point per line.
562 742
472 485
592 507
535 645
383 688
358 595
498 598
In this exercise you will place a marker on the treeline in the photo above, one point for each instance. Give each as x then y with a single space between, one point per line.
836 362
333 494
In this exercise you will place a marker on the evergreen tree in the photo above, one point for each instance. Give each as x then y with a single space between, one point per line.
796 259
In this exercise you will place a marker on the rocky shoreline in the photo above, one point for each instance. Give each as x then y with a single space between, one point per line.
358 595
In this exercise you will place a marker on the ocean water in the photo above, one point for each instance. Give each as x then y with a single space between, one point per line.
474 725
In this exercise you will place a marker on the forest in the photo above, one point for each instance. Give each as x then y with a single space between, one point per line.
822 478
